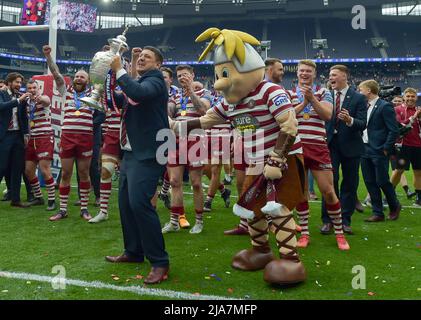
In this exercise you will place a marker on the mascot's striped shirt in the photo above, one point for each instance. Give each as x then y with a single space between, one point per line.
255 117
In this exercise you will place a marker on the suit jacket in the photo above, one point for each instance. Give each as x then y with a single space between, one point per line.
7 103
349 139
147 113
382 129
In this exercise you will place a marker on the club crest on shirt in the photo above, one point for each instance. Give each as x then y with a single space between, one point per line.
251 104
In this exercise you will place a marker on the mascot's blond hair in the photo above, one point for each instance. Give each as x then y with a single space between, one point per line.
233 41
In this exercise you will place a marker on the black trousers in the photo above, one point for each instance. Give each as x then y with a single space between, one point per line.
347 192
25 180
12 159
140 222
376 178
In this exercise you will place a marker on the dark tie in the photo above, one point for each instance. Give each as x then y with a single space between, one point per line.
337 107
123 128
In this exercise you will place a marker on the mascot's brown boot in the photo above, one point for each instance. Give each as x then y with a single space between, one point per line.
260 254
289 269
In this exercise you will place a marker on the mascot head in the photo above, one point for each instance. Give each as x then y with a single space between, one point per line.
238 67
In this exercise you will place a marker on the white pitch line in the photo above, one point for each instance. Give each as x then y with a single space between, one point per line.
102 285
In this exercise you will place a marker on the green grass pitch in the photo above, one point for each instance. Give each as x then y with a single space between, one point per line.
389 252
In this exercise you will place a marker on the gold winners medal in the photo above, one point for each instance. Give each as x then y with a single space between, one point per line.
32 124
183 113
77 113
306 116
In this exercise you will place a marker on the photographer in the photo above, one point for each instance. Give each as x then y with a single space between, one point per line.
408 115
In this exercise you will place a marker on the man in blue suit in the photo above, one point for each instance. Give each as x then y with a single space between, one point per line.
379 140
14 134
344 138
144 116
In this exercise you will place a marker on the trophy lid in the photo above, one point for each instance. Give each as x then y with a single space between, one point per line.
121 40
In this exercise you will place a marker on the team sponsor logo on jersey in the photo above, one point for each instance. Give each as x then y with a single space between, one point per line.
244 122
281 99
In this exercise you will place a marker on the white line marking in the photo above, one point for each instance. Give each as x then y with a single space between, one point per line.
142 291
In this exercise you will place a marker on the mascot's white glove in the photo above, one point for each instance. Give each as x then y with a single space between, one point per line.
274 167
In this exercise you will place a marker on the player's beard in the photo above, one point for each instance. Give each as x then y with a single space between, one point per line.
79 87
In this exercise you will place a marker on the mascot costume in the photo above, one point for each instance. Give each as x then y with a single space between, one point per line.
274 182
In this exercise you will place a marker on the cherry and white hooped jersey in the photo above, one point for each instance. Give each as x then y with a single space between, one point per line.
40 125
255 118
190 111
112 121
311 128
77 120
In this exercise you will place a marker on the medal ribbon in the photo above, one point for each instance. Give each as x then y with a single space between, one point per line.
76 98
300 95
183 102
32 108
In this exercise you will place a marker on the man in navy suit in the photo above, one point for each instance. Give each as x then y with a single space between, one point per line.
344 138
144 116
14 134
379 140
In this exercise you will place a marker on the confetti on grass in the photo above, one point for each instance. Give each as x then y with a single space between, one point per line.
371 293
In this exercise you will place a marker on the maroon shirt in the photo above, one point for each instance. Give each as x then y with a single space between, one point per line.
403 113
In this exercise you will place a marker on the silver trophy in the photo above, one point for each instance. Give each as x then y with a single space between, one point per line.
100 67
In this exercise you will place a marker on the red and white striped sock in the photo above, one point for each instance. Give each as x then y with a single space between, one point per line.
221 188
175 213
303 215
50 185
64 197
36 189
334 211
105 193
199 216
165 184
84 187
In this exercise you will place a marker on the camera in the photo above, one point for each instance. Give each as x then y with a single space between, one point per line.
388 92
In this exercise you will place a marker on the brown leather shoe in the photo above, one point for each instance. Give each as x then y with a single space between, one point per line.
157 275
374 218
122 259
327 228
394 215
19 204
347 229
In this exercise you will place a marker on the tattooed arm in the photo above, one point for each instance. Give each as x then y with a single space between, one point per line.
61 85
